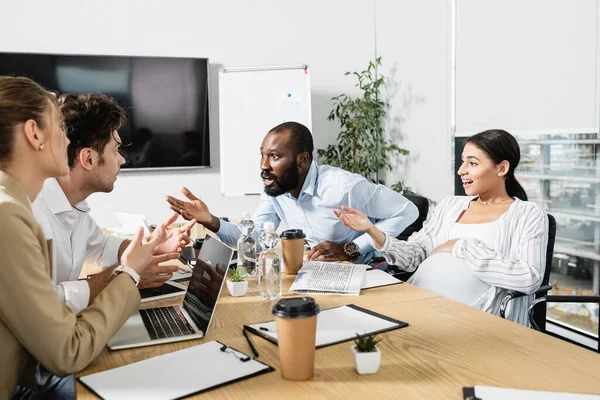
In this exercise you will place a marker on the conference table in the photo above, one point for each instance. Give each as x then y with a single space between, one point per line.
446 346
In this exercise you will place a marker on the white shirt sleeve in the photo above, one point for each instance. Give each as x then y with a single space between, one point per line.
75 294
101 249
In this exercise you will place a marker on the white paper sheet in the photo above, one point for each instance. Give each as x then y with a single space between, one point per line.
496 393
376 278
337 325
172 375
130 222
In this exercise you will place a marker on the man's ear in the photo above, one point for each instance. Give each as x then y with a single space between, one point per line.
503 168
34 136
87 158
303 160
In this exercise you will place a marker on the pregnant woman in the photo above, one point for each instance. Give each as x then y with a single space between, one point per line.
475 248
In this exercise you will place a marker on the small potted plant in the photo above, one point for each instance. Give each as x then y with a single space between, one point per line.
237 283
366 354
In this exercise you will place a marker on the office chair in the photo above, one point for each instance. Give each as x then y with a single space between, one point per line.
540 317
534 310
422 204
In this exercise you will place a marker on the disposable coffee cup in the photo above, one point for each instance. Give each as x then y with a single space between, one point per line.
296 321
197 246
292 244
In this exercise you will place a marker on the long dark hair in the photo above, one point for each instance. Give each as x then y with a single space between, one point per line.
500 145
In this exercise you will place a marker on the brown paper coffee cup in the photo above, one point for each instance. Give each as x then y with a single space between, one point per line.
296 322
293 255
296 338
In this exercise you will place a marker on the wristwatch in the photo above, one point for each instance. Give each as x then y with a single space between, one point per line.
351 249
129 271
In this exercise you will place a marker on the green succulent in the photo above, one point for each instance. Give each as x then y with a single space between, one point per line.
237 275
366 343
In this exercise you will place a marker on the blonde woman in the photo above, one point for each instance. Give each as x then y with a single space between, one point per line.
39 335
475 248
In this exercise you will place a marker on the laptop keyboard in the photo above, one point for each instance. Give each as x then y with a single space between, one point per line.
164 322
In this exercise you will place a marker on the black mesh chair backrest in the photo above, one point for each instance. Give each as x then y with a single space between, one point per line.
539 315
422 204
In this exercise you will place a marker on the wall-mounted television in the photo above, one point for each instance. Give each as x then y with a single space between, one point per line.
166 100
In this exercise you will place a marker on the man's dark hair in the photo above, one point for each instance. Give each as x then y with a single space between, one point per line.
90 120
301 140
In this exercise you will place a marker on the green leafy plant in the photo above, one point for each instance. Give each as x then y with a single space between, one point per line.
366 343
361 145
237 275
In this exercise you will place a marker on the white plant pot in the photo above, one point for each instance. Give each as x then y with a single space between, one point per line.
367 363
237 288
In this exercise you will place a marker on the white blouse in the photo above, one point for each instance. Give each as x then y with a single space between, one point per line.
450 276
516 261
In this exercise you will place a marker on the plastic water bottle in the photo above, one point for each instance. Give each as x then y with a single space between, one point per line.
269 264
246 246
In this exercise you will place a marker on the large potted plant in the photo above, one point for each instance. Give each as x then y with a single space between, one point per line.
361 145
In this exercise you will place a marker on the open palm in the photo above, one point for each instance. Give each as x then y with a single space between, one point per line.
192 209
353 219
176 238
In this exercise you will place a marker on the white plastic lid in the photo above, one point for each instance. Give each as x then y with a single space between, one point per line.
269 226
245 215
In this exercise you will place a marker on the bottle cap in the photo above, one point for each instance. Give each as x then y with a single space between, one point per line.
269 226
296 307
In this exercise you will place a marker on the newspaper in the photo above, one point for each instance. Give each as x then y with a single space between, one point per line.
317 277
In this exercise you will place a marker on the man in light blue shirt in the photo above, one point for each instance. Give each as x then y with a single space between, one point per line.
302 194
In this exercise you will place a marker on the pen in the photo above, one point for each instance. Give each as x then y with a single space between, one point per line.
250 342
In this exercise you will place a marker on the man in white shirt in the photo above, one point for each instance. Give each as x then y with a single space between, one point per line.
91 122
302 194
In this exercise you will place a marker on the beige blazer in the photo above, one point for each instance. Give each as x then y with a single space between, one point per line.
35 326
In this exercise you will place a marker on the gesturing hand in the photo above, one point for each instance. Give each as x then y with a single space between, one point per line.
155 275
445 247
175 239
139 253
192 209
328 251
353 219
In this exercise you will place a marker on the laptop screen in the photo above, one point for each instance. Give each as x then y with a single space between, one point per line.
207 281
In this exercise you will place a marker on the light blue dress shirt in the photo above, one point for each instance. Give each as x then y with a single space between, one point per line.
325 189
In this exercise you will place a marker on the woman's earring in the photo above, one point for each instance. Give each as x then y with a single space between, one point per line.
41 146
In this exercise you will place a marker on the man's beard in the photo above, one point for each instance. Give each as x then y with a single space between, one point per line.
289 181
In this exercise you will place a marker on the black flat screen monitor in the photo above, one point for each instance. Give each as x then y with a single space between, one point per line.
166 100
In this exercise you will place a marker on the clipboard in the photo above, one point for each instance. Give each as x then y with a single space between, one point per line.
498 393
176 375
337 325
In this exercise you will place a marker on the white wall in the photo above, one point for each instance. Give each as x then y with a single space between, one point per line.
331 36
413 39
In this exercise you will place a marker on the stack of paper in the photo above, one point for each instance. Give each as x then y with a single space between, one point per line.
316 277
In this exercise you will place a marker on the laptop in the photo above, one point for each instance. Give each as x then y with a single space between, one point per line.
191 320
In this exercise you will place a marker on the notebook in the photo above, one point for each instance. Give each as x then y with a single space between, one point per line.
175 375
318 277
337 325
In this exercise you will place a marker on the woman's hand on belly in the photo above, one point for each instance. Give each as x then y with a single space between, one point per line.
445 247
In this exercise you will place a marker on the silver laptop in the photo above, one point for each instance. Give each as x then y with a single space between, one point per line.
191 320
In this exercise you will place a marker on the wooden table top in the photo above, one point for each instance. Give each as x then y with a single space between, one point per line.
446 346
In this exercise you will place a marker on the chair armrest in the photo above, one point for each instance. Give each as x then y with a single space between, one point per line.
515 295
559 299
